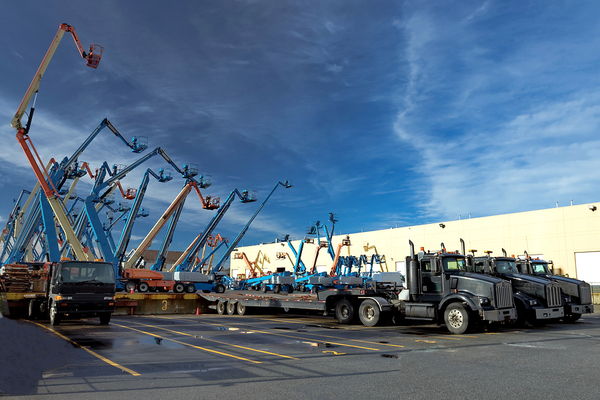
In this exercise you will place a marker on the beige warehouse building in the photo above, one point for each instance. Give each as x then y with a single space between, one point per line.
569 236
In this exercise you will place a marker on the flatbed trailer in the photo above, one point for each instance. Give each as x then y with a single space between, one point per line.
344 304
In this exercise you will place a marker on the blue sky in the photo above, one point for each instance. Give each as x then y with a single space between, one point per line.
386 113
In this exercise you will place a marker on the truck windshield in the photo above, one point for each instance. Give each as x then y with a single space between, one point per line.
76 272
540 268
506 267
453 264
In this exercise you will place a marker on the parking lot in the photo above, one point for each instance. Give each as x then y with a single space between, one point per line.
310 356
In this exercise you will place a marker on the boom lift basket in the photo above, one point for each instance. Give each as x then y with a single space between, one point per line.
139 144
94 55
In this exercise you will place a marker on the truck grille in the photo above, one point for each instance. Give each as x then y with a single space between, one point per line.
553 295
504 295
585 294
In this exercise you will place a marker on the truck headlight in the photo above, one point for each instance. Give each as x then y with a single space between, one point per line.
484 301
533 302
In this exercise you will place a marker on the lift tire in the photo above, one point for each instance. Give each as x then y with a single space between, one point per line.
571 318
129 286
219 288
54 317
277 289
143 287
221 307
369 313
456 318
302 288
290 289
105 318
344 311
190 288
314 290
178 287
231 307
241 309
263 288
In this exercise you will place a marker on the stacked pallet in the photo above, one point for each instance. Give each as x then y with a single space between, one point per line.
16 278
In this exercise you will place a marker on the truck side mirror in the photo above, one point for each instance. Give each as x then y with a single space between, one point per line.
435 267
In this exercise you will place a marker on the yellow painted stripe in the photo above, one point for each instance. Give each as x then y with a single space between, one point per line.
216 341
189 345
296 337
106 360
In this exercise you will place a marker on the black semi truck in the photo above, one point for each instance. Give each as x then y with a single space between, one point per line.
537 300
441 290
576 294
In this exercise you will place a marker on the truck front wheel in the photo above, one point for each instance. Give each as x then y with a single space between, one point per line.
456 318
369 313
105 318
344 311
54 317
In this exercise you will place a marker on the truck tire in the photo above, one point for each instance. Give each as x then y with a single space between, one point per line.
369 313
344 311
231 306
178 287
241 309
219 288
105 318
190 288
33 310
129 286
456 318
143 287
570 318
221 307
521 320
54 317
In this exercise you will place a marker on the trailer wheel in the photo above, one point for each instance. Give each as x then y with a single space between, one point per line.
277 289
344 311
221 307
105 318
143 287
231 307
178 287
570 318
190 288
456 318
241 309
219 288
54 317
130 286
369 313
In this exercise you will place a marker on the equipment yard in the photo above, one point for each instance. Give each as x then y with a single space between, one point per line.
299 356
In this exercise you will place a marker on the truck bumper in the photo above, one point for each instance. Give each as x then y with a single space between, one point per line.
579 309
549 313
505 314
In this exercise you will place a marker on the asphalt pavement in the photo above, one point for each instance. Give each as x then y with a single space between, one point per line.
302 356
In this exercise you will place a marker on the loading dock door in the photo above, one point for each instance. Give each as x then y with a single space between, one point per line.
588 267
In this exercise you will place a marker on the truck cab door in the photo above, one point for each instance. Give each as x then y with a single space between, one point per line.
432 281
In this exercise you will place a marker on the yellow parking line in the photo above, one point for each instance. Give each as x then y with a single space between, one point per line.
189 345
314 334
106 360
216 341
